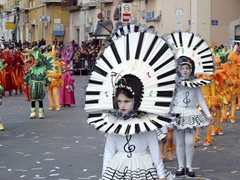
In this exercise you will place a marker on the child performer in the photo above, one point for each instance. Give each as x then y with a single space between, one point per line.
39 82
67 91
131 150
188 117
56 82
220 78
232 85
140 74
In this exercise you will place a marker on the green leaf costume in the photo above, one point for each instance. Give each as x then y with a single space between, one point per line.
37 77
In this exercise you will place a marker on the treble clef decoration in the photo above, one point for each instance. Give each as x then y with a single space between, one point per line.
129 148
186 100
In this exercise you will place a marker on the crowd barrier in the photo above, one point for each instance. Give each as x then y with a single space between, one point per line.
83 65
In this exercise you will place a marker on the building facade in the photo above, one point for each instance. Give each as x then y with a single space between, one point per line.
65 20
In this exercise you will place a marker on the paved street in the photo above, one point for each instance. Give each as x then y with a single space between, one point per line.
64 147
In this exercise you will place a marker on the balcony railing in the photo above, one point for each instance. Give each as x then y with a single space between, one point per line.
89 3
6 8
10 5
70 5
105 1
50 1
15 4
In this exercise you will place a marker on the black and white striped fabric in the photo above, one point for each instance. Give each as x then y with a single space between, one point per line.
196 83
108 123
194 47
140 53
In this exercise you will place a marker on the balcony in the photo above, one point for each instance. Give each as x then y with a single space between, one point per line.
6 8
50 1
70 5
89 3
15 4
105 1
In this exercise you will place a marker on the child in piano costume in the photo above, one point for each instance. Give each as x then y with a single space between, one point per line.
190 61
138 68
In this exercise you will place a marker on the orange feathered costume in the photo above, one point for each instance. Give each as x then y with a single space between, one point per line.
56 83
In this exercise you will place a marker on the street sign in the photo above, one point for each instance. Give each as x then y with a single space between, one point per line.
126 17
31 31
215 22
44 18
10 25
126 12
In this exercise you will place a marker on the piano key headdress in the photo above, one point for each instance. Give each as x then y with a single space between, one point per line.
190 46
143 60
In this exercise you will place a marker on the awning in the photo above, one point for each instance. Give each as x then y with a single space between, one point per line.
103 29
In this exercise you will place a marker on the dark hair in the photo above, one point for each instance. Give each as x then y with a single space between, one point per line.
132 87
123 91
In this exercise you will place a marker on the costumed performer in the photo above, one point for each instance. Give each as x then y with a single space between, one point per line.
220 78
56 82
10 79
192 53
67 97
28 63
18 69
232 86
2 67
39 83
211 100
142 81
189 118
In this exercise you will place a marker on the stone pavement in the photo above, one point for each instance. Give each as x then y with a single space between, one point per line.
64 147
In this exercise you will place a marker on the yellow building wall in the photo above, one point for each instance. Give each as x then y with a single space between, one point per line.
35 10
56 13
34 16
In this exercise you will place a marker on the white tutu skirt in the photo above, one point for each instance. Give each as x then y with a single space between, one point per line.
134 168
189 119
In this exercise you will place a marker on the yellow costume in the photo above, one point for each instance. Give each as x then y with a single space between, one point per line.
56 83
220 92
211 100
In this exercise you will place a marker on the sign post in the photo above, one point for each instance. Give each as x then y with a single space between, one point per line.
126 12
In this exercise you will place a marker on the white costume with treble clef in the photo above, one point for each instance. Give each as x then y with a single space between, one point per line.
184 104
137 156
193 57
139 61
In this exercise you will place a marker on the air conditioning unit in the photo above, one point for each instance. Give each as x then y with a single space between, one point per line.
156 15
90 20
106 13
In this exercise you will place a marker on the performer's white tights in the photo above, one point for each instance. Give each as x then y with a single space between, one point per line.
185 147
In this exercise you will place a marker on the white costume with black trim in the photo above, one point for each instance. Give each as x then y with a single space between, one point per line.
184 106
194 53
132 160
136 53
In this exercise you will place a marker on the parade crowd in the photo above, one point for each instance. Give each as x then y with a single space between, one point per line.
34 70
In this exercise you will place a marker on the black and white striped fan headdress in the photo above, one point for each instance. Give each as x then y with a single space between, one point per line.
134 51
193 47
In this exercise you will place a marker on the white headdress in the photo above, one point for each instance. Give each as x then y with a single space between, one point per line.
133 50
195 48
